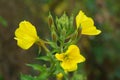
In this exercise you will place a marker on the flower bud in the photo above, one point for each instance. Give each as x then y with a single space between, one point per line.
50 20
54 36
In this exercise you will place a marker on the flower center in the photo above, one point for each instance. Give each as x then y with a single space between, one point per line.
66 57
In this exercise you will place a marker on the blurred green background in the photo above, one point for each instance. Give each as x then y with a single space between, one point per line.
102 52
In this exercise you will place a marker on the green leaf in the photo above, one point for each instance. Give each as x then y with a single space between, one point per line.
27 77
43 76
45 58
37 67
71 28
53 44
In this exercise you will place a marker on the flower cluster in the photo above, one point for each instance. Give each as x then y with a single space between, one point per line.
66 55
72 55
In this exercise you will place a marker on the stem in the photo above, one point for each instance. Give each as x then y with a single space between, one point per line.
61 48
52 66
42 43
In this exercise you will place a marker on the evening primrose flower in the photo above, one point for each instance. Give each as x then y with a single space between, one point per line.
86 24
70 58
26 35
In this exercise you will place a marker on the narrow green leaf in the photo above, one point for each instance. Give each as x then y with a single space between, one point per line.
37 67
45 58
53 44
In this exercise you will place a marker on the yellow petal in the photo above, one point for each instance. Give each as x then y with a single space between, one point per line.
88 27
69 66
86 24
81 17
24 44
91 31
60 56
70 58
26 35
74 54
27 28
80 59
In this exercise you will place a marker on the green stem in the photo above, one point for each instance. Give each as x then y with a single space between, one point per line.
61 48
52 66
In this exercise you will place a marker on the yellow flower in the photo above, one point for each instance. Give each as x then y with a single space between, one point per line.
59 76
70 58
86 24
26 35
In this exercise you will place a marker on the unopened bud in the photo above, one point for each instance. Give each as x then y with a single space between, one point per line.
59 76
54 36
50 20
